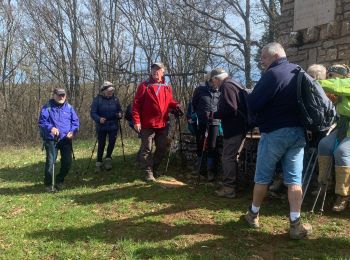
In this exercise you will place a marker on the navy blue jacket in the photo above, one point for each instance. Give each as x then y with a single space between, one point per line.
63 117
204 101
274 98
106 107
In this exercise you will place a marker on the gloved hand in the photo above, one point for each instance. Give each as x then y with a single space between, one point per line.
178 112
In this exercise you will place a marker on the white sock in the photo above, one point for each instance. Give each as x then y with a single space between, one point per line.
255 209
294 215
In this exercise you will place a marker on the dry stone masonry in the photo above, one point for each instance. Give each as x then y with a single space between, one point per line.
316 31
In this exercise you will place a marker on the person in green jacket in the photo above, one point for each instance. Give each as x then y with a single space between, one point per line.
337 143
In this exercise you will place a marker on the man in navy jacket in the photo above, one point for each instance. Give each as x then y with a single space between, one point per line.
274 100
58 124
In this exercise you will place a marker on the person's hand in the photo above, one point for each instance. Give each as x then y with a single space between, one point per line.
55 131
102 120
190 121
119 115
137 127
70 135
178 112
332 97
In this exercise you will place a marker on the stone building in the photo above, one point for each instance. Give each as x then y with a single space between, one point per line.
316 31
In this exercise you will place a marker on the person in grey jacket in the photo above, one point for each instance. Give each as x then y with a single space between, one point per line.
106 111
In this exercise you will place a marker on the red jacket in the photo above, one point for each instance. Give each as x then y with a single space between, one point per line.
152 103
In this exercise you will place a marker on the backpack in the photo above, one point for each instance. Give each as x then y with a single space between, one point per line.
128 113
249 118
317 112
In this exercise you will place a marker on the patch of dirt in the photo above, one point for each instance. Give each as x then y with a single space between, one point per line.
192 216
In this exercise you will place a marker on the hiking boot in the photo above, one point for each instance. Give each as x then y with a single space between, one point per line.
98 167
150 177
298 230
50 190
341 203
252 219
107 164
226 192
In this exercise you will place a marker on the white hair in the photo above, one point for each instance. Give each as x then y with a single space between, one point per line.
221 76
317 71
274 48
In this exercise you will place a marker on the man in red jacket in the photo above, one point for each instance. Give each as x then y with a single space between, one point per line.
150 113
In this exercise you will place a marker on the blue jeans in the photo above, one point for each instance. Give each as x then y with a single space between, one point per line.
327 147
285 145
65 148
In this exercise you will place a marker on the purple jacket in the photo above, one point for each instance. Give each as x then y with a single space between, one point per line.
63 117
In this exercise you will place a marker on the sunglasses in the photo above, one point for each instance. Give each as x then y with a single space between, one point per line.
61 95
338 70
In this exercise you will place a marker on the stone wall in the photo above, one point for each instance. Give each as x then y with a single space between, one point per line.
326 44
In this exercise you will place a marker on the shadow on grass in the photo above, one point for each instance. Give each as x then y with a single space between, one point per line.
32 175
206 240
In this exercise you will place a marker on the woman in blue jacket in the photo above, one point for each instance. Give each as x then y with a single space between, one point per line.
106 111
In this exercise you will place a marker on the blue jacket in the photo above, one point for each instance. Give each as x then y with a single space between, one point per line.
106 107
274 98
63 117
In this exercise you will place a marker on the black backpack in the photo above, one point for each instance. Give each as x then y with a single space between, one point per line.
317 112
248 117
128 113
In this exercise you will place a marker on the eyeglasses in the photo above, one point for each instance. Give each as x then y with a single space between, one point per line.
61 95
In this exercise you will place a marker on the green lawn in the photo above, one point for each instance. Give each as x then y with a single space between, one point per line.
116 215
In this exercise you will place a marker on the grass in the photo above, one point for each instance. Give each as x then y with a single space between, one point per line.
116 215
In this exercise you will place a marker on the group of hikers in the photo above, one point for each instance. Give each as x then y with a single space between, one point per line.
220 104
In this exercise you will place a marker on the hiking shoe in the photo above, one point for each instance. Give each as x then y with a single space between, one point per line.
252 219
50 190
298 230
226 192
98 168
150 177
341 203
108 164
59 186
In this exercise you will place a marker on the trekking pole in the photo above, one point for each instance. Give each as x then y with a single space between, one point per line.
92 154
308 174
180 140
55 141
329 170
168 160
203 150
121 139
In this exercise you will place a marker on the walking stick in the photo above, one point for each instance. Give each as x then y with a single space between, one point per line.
121 138
203 150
